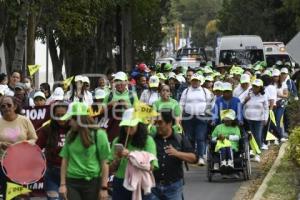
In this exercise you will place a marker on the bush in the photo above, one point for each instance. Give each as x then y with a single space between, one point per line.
294 145
293 110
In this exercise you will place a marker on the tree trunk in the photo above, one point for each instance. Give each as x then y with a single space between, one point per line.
57 60
21 39
127 37
31 39
9 49
3 21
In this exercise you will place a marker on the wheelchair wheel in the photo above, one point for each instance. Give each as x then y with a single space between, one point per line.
209 165
247 162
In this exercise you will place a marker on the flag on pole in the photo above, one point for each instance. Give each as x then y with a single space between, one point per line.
68 81
144 111
270 137
33 69
272 117
13 190
253 145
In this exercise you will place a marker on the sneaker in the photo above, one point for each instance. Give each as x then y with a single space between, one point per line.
201 162
216 166
264 147
252 154
256 158
230 163
283 140
276 142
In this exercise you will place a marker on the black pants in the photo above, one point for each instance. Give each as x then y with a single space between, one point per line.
80 189
3 181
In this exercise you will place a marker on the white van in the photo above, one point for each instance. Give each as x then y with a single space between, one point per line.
239 49
276 51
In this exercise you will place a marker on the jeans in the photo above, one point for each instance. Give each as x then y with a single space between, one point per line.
119 192
226 153
279 111
256 128
173 191
80 189
52 182
196 131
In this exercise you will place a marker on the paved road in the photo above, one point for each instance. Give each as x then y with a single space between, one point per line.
197 186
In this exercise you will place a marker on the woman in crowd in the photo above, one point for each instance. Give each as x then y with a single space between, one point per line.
84 168
14 128
133 137
149 96
256 111
281 102
52 138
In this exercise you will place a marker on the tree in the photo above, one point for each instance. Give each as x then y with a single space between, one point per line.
267 18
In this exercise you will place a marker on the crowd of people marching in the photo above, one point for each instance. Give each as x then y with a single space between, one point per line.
145 155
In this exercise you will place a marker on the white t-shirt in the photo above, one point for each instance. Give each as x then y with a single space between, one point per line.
280 90
257 108
271 93
149 97
195 101
87 97
240 93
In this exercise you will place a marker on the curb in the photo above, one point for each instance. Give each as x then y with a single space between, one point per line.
262 188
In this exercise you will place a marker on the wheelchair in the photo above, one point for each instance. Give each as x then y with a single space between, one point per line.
241 159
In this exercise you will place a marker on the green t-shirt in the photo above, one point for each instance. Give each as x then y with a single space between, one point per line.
172 104
149 147
83 162
121 96
226 131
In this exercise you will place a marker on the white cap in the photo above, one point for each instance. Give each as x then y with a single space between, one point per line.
245 78
172 75
78 78
180 78
227 86
100 94
85 79
198 77
39 94
284 70
258 82
58 94
218 86
153 81
275 72
120 76
209 78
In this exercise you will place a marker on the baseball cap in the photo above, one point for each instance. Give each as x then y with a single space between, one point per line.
245 78
168 67
143 67
228 114
85 79
39 94
100 94
258 82
267 73
275 72
172 75
209 78
129 118
76 109
217 86
180 78
20 86
284 70
78 78
153 81
58 94
120 76
227 86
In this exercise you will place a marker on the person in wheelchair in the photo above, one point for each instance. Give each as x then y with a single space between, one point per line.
226 138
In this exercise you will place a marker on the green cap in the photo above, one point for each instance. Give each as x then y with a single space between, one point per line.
168 67
129 118
76 109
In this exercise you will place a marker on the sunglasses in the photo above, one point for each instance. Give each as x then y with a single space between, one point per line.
6 105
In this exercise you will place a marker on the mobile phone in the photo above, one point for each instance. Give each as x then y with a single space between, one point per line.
119 147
